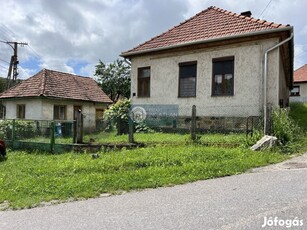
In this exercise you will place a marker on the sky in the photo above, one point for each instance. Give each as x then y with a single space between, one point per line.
73 35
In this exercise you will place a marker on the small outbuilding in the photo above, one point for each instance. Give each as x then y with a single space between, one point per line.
54 95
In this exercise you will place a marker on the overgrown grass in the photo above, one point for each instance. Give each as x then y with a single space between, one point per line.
298 112
167 138
26 180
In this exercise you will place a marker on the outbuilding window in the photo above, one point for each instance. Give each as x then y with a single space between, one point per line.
295 91
59 112
21 111
223 75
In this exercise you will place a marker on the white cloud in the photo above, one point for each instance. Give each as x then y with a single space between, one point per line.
85 31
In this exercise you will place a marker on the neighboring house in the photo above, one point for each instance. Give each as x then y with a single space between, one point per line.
216 61
299 91
52 95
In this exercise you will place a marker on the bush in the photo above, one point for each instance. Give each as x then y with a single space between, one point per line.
22 129
284 128
142 127
119 115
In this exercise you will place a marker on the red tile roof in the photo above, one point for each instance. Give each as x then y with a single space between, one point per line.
49 83
209 24
300 75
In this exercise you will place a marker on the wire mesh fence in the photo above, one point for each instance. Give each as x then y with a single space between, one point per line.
55 136
36 130
37 134
171 118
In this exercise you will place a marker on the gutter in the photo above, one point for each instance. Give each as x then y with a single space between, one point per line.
129 54
265 76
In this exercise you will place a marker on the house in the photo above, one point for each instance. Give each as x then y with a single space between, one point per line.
53 95
299 91
227 64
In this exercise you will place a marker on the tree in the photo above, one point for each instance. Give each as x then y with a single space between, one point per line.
114 79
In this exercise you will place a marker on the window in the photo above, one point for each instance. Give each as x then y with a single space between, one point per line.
187 79
295 91
144 82
222 79
59 112
21 111
2 111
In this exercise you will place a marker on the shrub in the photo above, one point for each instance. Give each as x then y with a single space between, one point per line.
119 115
142 127
22 129
284 128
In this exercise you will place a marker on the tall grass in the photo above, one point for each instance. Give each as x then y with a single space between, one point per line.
284 127
26 180
298 112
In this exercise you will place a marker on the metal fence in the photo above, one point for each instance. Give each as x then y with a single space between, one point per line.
169 118
50 136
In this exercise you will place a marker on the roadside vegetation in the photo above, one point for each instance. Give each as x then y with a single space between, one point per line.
32 179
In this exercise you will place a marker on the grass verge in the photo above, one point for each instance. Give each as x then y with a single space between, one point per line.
26 180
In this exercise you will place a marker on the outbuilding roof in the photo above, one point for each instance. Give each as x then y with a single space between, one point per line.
300 75
212 23
54 84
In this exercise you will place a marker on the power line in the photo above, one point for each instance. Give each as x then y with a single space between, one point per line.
4 61
4 67
14 62
265 8
34 52
7 31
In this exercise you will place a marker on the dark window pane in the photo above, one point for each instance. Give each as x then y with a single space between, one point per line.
187 71
187 79
144 82
222 82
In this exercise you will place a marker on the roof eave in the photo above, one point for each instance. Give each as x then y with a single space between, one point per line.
277 30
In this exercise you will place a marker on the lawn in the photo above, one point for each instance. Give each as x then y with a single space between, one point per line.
28 179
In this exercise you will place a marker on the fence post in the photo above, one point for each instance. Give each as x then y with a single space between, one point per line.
13 133
193 123
131 137
52 138
79 128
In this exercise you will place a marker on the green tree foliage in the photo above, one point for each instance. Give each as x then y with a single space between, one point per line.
2 84
114 79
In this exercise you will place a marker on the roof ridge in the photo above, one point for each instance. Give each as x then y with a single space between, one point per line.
257 20
43 82
72 74
305 65
211 23
174 27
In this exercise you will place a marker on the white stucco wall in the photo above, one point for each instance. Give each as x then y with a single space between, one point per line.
33 108
248 84
303 93
38 109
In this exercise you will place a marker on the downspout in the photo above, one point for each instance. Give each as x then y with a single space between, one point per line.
265 76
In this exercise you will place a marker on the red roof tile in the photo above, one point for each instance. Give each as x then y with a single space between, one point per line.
209 24
300 75
49 83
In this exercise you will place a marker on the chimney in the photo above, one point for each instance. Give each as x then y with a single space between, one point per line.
247 13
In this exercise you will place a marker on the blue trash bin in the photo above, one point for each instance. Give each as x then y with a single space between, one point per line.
58 129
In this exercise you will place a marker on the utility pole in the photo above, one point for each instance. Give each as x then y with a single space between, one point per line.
13 63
